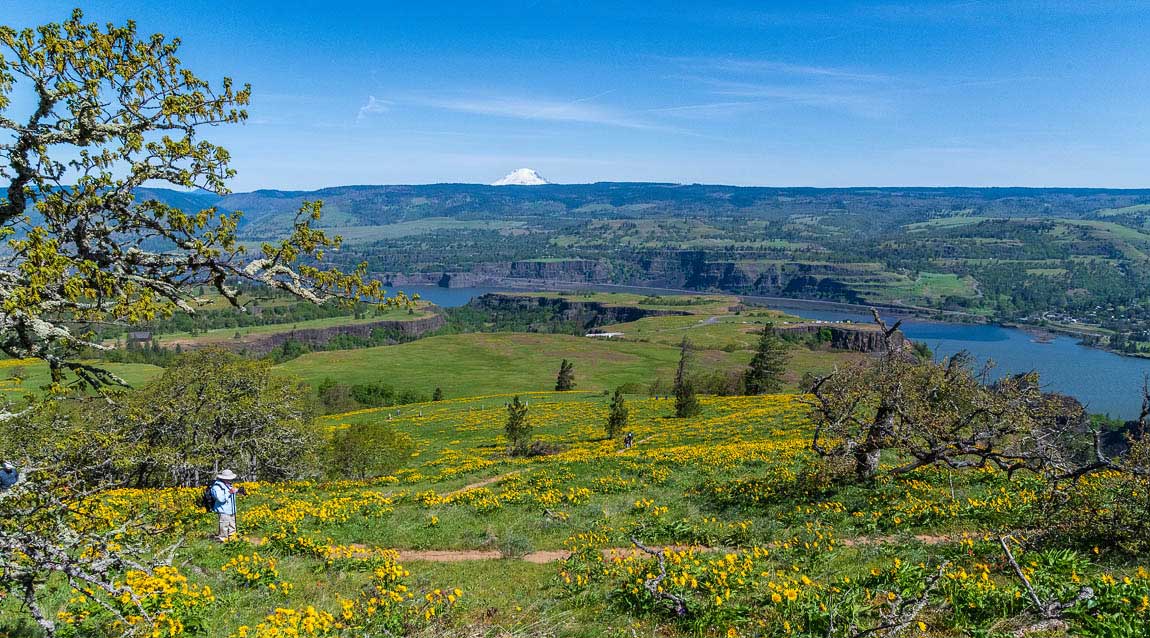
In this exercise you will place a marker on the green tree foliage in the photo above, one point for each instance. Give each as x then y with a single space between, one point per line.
110 113
566 378
335 397
213 410
921 351
438 394
618 415
342 397
518 427
686 403
378 395
764 375
368 450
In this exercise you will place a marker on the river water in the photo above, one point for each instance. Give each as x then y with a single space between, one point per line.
1107 383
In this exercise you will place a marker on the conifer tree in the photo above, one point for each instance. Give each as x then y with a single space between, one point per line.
566 379
618 415
438 394
686 403
764 375
518 427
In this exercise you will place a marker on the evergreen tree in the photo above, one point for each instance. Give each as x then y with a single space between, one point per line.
765 373
438 395
518 427
617 417
686 403
566 379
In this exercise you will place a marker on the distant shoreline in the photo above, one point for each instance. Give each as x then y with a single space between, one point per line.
920 313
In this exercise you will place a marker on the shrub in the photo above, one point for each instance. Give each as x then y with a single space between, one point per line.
368 450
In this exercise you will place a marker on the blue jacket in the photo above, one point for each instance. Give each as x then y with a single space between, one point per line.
224 498
8 478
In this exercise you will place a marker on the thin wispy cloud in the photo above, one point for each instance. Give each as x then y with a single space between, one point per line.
579 110
372 107
775 67
865 102
743 85
709 110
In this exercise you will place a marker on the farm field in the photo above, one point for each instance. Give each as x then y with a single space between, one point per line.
464 540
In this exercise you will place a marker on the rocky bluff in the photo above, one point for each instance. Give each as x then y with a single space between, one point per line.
687 269
586 313
840 336
318 338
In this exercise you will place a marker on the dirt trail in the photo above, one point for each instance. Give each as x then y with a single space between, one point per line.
636 443
478 484
555 555
539 558
925 539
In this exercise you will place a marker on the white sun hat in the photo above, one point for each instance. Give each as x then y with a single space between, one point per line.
226 475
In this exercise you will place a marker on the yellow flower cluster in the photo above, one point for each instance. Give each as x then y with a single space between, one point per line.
162 604
386 608
255 570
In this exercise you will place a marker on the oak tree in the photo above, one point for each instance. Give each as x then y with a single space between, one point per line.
90 115
928 413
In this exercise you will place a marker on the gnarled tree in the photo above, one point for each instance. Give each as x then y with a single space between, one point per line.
89 115
929 413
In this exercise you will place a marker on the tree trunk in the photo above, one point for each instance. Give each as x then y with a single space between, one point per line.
866 463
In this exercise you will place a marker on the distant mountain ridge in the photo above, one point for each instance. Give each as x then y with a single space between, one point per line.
269 212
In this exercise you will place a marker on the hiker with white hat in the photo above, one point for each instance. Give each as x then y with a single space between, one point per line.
9 475
223 497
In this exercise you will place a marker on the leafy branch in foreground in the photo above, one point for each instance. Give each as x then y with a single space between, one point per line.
113 112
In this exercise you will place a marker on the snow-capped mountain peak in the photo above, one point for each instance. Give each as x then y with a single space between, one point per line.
522 177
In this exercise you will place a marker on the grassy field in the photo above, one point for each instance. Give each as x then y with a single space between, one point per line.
467 541
488 363
34 375
470 364
715 332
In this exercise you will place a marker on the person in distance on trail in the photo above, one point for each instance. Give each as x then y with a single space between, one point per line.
628 440
8 476
224 499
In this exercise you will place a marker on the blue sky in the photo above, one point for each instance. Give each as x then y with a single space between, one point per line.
831 93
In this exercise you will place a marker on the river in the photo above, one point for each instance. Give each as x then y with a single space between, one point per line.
1107 383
